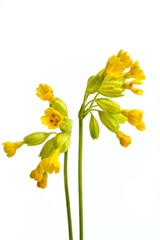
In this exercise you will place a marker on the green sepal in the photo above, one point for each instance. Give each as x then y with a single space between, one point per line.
108 121
59 105
111 92
48 148
120 118
66 125
112 87
60 139
108 105
94 127
66 145
36 138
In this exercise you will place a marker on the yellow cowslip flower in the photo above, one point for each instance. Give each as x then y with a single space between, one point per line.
117 64
43 182
37 174
135 72
40 176
114 67
46 165
141 126
123 139
129 85
51 163
135 118
45 92
125 58
52 118
10 147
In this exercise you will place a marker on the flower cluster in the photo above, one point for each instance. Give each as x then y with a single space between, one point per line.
56 116
119 74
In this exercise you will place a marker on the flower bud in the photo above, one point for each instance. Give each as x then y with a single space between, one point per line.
94 127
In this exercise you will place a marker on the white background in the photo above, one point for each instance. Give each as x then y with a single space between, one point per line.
62 43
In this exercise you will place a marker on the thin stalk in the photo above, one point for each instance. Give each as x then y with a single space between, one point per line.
92 101
70 233
89 110
80 187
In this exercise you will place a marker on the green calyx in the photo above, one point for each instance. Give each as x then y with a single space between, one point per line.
59 105
36 138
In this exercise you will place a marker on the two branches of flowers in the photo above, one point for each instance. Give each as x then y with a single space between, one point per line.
119 74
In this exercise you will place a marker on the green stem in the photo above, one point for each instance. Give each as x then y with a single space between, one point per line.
80 188
67 196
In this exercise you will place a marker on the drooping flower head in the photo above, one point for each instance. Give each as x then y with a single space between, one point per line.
119 74
112 81
56 117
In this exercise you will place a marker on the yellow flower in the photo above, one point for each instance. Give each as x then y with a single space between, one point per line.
40 176
51 164
123 139
37 174
125 58
129 85
10 147
141 126
114 67
117 64
135 72
47 165
135 118
52 118
43 182
45 92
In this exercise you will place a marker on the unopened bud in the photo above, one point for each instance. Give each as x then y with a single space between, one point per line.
94 127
